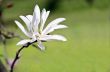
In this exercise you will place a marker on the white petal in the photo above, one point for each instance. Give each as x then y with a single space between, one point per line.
60 27
44 17
47 14
56 27
22 28
51 25
53 37
56 21
40 45
37 12
23 42
29 17
36 18
43 14
27 21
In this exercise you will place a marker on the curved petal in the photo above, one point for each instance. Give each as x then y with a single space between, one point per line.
56 27
26 21
40 45
51 25
44 17
60 27
22 28
36 18
53 37
23 42
29 17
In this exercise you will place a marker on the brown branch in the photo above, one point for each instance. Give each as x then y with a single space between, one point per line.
17 55
16 58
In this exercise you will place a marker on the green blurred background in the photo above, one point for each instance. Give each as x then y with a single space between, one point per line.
88 34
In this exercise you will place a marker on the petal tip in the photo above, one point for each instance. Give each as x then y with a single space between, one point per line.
43 49
15 21
17 44
37 7
66 26
65 39
21 16
63 19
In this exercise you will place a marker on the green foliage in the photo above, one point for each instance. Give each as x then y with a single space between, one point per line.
102 4
73 5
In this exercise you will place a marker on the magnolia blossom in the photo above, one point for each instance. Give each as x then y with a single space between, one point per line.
36 30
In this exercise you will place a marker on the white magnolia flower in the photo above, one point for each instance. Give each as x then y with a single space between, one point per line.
35 28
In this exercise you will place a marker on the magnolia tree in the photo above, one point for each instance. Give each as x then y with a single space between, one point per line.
37 32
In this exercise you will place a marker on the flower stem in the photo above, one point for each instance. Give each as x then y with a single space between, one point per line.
17 55
16 58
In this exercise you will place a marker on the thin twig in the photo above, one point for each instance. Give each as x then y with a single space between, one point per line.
16 58
17 55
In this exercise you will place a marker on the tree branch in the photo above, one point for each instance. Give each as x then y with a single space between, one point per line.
16 58
17 55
